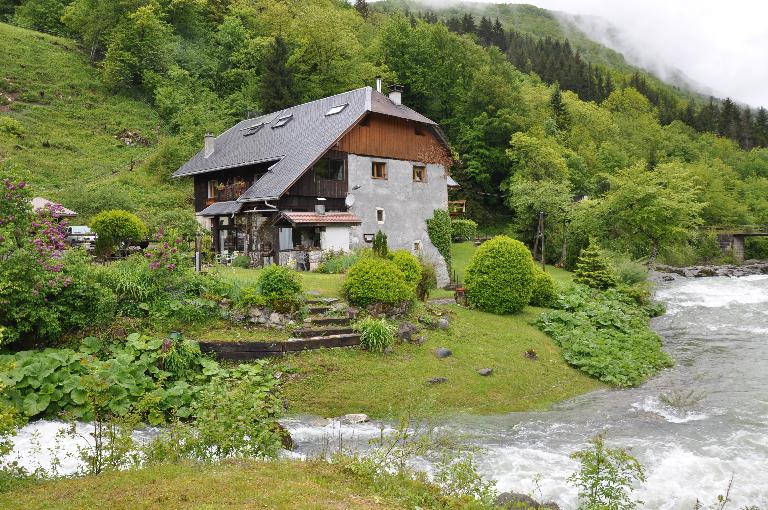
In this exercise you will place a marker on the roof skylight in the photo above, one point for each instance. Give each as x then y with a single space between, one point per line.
250 130
282 121
336 109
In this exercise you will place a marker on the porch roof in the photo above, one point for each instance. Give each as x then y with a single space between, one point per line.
222 209
314 218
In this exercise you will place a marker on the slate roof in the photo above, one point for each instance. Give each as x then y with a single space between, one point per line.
221 208
313 218
296 145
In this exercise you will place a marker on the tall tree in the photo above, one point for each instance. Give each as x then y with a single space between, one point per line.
277 90
362 8
559 110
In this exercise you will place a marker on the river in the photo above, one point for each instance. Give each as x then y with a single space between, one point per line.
692 427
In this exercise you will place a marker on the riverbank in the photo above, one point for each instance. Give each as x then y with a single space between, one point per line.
289 485
669 273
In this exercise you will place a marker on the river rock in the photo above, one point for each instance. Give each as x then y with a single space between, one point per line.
286 440
437 380
317 421
485 372
406 330
515 500
354 418
442 352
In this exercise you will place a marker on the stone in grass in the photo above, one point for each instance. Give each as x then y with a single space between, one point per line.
437 380
406 330
418 340
485 372
442 352
313 293
354 418
442 323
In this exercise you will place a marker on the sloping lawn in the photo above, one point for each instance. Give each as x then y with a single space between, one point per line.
233 485
339 381
325 285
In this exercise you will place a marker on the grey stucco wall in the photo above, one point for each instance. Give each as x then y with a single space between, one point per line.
406 205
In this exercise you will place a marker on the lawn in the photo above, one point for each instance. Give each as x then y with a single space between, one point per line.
231 484
317 284
339 381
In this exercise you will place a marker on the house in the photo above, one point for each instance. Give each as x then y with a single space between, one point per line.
324 175
39 203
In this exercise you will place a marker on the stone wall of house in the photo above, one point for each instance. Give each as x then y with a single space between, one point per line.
405 206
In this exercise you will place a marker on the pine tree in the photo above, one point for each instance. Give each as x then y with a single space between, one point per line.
559 110
761 127
485 31
362 8
468 24
277 90
594 270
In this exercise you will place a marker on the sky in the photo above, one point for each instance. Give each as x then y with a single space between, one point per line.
720 45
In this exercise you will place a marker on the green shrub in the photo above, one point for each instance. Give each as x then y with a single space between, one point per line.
543 290
606 334
375 334
117 228
180 356
376 280
463 230
427 281
250 296
499 277
281 287
439 230
11 126
593 269
241 261
380 247
408 264
337 262
756 248
628 271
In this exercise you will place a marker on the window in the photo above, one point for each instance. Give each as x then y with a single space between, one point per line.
282 121
419 173
212 184
380 216
417 129
417 247
336 109
251 130
378 170
329 170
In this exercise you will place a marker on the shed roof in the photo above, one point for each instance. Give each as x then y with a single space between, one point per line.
221 208
313 218
41 203
294 138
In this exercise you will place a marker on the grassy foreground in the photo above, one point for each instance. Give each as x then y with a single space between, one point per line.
233 485
333 382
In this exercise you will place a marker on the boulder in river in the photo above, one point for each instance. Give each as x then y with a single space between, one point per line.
514 500
354 418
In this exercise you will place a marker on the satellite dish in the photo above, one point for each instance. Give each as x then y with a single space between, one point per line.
350 200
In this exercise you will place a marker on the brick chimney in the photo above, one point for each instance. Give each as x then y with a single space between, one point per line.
210 144
396 94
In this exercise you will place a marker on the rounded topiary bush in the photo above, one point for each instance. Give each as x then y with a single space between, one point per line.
463 230
280 287
408 264
499 278
374 280
543 290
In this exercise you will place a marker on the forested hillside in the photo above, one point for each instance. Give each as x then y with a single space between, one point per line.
170 71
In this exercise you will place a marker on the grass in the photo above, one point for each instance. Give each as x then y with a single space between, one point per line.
225 331
233 485
71 121
317 284
333 382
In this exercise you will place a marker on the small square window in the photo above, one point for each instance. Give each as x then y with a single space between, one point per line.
378 170
417 247
380 216
336 109
419 173
282 121
252 130
212 189
418 130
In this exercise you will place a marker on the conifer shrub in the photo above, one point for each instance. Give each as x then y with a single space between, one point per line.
408 264
593 269
499 278
439 230
376 280
380 247
463 230
543 290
